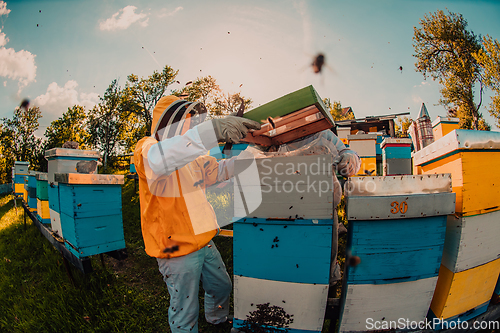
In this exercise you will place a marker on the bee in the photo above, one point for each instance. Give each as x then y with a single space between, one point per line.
318 63
25 103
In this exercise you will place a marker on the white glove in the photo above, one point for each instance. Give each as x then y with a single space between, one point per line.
349 164
232 129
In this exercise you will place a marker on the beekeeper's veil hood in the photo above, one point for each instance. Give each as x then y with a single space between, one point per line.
174 116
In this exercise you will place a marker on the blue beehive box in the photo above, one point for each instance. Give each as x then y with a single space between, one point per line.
397 228
31 189
396 156
62 160
91 212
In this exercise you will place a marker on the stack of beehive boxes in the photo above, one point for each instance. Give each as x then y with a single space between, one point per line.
42 198
395 243
365 146
91 212
283 239
396 156
62 160
470 268
20 171
31 190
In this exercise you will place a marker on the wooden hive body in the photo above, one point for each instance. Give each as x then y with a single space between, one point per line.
365 146
397 228
289 117
91 213
471 241
459 295
284 187
471 157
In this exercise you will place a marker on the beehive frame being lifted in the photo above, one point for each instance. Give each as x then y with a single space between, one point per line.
289 117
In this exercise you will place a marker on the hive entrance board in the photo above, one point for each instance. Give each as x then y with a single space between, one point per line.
288 118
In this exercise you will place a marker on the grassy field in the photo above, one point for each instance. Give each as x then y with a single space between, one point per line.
36 294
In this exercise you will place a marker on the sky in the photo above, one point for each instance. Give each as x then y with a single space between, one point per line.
63 53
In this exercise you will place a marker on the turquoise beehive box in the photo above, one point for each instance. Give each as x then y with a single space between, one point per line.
62 160
91 212
397 228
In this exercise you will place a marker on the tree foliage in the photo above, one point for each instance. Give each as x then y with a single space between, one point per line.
71 126
335 109
18 141
489 58
107 125
445 51
401 126
141 95
219 104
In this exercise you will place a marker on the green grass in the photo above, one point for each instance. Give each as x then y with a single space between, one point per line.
37 295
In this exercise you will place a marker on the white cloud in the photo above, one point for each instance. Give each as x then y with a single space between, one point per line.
3 38
18 65
123 19
58 99
165 12
3 8
14 65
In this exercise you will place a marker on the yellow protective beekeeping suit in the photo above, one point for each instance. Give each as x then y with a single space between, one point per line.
176 218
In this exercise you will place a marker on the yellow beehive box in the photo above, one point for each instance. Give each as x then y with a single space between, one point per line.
472 158
43 208
444 125
368 167
457 293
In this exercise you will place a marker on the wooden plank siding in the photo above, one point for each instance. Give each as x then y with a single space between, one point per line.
471 241
385 302
457 293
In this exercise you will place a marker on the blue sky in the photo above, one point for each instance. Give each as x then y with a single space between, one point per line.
60 53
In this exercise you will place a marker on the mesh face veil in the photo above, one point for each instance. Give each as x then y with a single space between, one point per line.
175 116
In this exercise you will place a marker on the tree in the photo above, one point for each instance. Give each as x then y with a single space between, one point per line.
489 58
204 89
445 50
106 123
141 95
225 104
18 140
335 109
218 104
71 126
402 125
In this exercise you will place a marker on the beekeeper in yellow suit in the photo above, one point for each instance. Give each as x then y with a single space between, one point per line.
178 223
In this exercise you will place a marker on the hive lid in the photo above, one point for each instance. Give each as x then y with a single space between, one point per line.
386 141
21 163
459 139
362 137
82 178
67 152
41 176
398 185
449 120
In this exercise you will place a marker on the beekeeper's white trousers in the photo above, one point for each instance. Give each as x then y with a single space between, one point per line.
182 276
